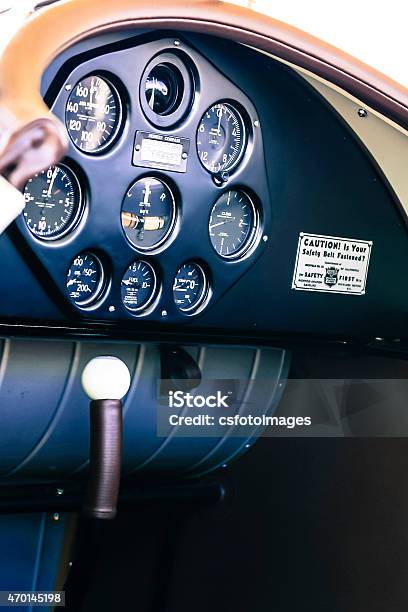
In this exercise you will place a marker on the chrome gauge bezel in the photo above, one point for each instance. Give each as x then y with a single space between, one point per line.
253 237
245 136
155 247
146 306
120 122
78 215
96 297
205 294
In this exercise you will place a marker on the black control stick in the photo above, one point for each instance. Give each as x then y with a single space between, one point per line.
105 380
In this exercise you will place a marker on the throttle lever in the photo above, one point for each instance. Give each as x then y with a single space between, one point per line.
105 380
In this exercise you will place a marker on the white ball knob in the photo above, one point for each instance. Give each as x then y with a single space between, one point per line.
106 378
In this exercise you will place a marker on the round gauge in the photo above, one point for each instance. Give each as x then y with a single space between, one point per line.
85 279
53 202
189 287
93 114
233 224
163 88
138 286
221 138
148 213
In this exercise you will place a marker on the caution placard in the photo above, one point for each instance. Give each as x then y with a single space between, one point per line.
331 264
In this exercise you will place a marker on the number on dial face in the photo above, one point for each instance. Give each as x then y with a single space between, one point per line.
233 223
85 279
93 114
221 138
189 288
53 202
138 286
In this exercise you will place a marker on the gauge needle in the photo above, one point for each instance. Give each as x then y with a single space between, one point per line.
51 185
218 224
147 192
151 101
219 124
73 281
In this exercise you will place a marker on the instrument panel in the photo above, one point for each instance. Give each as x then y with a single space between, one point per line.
188 189
162 201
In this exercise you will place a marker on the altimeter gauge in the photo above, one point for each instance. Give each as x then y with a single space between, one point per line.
53 202
93 114
221 138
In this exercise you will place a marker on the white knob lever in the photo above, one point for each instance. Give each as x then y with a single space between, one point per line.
106 378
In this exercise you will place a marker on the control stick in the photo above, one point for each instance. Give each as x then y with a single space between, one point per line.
105 380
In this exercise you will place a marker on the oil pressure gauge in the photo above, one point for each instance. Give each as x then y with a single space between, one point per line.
85 279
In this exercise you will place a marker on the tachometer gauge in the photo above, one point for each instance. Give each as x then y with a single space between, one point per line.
148 213
93 114
139 285
190 287
221 138
53 202
85 279
233 224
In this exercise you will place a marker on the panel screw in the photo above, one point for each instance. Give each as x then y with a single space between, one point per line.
177 43
56 516
60 491
111 309
247 445
164 313
225 465
362 112
68 87
265 238
256 123
137 147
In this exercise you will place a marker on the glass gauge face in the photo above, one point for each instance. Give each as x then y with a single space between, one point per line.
85 279
233 224
148 213
138 286
53 202
221 138
93 114
190 287
163 88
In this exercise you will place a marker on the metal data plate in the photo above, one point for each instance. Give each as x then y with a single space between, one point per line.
160 151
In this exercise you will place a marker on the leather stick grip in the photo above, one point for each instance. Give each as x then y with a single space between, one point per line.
105 458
